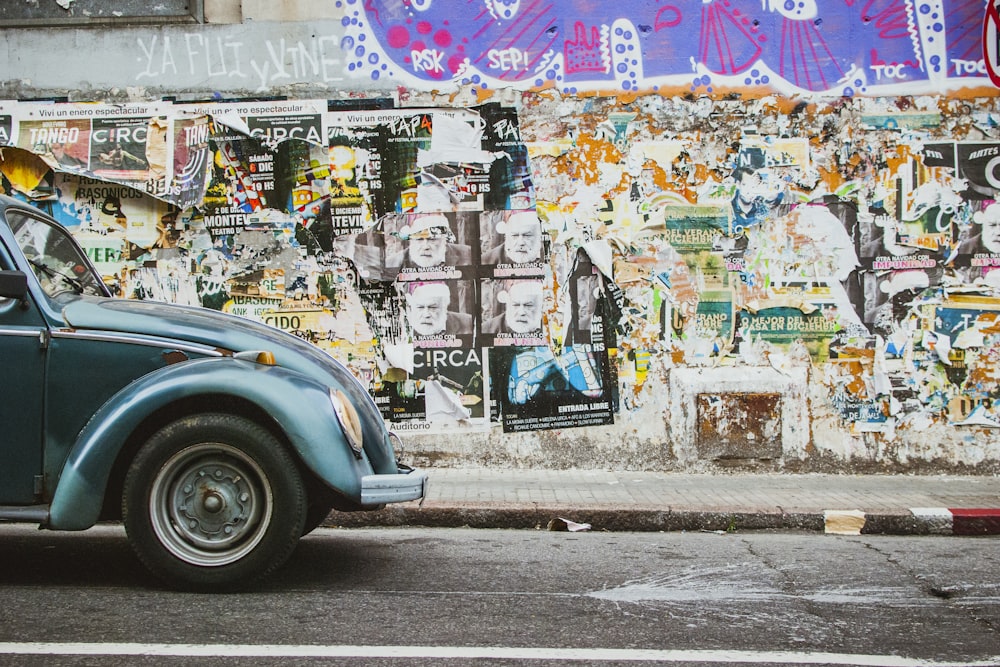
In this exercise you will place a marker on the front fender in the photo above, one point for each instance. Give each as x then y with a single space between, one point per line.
300 405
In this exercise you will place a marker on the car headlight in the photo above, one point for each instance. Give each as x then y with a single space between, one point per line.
350 422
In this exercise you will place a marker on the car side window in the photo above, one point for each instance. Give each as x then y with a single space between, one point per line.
55 259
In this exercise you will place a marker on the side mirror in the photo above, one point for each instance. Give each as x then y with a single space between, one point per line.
13 285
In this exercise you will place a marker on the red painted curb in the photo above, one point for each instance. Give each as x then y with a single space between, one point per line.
974 521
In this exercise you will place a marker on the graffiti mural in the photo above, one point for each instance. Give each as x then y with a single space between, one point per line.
843 48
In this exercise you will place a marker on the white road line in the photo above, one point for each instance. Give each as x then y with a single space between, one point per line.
473 653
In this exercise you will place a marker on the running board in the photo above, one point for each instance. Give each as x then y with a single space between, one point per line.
31 514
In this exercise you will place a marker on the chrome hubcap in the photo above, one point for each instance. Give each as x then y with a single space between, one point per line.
211 504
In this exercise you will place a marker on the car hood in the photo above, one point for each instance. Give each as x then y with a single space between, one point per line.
228 333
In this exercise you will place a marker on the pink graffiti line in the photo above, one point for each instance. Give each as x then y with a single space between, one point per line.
806 51
661 23
963 31
540 51
892 22
372 10
506 39
484 16
719 51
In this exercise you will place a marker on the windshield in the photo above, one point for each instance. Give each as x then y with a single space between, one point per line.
55 258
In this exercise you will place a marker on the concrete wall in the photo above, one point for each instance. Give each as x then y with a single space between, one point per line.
759 221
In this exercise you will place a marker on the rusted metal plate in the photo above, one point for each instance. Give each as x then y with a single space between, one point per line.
738 427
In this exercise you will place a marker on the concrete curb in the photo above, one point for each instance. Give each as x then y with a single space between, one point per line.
917 521
962 521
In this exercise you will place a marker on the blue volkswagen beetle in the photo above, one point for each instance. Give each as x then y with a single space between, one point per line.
217 441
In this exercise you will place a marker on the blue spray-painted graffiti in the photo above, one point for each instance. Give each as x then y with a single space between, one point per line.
843 47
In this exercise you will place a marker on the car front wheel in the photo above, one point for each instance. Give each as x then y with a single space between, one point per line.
213 502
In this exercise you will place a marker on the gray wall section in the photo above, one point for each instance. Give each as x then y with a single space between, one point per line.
254 59
33 12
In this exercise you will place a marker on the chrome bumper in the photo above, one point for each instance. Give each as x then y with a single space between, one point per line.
385 489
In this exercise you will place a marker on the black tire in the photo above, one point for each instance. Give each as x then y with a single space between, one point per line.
213 502
315 516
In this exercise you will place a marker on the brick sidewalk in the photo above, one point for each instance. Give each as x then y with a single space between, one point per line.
892 504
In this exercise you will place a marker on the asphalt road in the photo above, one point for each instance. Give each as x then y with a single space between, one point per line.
452 596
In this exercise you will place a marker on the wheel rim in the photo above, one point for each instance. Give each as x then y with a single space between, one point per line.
210 504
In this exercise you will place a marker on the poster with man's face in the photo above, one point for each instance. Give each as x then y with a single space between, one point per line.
429 246
439 313
512 244
978 252
512 312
